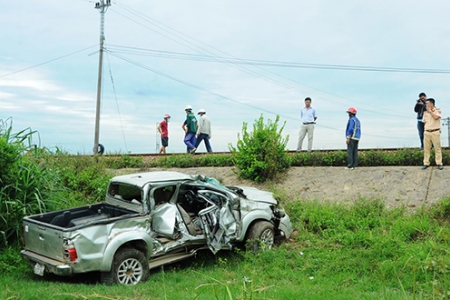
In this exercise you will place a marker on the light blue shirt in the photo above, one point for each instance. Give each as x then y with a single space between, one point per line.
308 114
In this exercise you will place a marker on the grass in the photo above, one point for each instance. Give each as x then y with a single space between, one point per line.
338 251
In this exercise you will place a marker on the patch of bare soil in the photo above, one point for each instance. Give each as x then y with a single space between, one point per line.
397 186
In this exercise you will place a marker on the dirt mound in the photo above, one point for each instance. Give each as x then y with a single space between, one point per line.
397 186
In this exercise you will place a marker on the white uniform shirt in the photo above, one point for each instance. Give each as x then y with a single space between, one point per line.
204 125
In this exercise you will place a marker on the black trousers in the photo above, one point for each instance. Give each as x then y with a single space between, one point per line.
352 154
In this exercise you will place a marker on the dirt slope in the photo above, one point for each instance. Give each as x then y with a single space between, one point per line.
409 186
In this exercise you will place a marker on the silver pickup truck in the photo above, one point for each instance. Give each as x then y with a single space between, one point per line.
148 220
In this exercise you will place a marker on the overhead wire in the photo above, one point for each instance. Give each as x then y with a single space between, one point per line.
178 33
246 70
243 69
270 63
46 62
220 95
117 103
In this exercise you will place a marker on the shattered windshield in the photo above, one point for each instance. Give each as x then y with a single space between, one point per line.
235 190
217 183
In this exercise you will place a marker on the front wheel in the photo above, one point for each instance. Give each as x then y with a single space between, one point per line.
129 267
260 236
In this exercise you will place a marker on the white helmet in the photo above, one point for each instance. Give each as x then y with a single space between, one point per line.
201 111
188 107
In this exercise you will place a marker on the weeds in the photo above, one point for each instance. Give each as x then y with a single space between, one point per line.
25 185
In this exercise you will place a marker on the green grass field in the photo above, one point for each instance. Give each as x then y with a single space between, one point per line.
336 252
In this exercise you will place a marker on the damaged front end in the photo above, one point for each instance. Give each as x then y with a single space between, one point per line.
254 200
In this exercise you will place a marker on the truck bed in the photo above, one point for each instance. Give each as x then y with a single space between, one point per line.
79 216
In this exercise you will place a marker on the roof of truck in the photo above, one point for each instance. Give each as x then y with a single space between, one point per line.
141 179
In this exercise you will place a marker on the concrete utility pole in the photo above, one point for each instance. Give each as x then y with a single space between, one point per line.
447 122
102 6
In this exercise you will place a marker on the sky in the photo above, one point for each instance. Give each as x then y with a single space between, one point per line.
238 60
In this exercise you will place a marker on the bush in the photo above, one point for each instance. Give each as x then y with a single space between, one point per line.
261 155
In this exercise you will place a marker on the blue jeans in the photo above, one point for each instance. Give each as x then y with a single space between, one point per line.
203 137
421 129
189 140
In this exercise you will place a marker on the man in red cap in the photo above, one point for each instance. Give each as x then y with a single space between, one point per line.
163 129
352 135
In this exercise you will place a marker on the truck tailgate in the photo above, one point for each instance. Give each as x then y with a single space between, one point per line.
43 239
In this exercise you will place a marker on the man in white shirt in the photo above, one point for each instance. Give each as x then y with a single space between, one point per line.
309 117
203 130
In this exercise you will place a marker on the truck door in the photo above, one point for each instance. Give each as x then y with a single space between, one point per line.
218 220
163 214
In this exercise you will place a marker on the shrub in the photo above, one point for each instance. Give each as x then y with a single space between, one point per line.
261 155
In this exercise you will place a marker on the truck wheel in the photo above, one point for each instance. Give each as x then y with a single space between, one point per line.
129 267
260 236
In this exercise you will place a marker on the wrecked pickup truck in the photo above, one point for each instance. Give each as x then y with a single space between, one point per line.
148 220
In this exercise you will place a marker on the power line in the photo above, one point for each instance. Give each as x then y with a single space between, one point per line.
178 33
46 62
142 51
117 103
222 96
270 63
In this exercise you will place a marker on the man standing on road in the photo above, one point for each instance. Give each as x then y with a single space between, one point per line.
163 129
309 117
419 108
203 130
352 135
190 128
432 135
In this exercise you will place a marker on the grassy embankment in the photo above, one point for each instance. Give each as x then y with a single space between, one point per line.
337 252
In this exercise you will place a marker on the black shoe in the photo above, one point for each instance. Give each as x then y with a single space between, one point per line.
424 167
440 167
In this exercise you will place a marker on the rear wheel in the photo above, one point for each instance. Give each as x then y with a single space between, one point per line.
129 267
261 236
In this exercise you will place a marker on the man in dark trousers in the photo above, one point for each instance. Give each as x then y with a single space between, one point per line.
190 129
352 135
419 108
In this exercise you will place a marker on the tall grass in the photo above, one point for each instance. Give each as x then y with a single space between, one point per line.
392 249
35 180
25 186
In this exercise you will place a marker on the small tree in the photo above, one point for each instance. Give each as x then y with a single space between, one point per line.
261 155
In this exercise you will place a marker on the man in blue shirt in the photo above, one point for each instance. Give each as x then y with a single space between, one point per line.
309 117
352 135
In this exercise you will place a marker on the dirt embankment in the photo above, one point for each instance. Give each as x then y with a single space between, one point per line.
397 186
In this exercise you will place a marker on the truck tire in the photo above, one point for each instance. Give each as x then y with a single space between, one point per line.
129 267
260 236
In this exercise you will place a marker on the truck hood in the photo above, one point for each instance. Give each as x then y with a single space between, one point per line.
255 194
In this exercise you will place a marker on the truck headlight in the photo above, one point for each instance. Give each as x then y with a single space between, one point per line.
279 213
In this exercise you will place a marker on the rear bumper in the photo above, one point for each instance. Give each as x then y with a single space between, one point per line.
51 266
